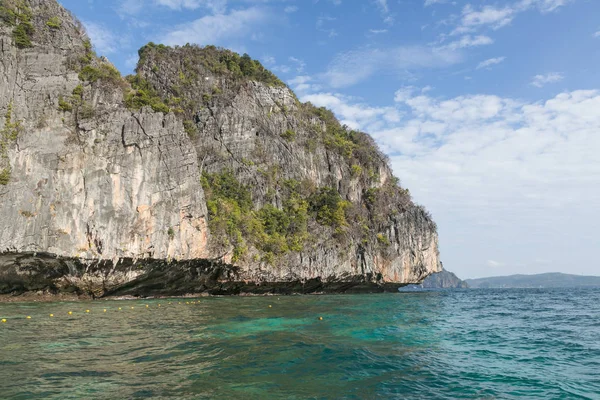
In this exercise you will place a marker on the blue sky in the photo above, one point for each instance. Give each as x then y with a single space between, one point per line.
489 110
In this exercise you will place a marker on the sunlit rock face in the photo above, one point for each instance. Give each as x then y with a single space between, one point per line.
114 186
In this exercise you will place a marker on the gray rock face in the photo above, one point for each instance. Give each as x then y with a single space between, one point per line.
102 199
444 280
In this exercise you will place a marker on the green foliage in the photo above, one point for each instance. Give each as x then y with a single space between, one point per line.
88 57
144 51
289 135
233 221
18 14
143 94
64 105
86 111
217 60
382 239
8 135
22 35
104 71
358 148
329 208
7 15
171 233
190 128
78 91
5 176
356 170
54 23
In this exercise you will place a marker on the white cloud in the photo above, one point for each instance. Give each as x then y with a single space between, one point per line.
354 114
102 38
597 34
269 60
490 61
502 176
377 31
290 9
488 15
130 7
432 2
212 29
304 84
179 4
542 80
131 61
469 41
495 17
351 67
383 5
542 5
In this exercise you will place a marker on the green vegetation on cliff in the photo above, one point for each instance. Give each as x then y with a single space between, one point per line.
8 135
217 60
18 14
234 221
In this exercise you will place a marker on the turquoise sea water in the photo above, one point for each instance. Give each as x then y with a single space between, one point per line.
488 344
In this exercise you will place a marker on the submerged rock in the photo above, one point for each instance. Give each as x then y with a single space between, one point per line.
201 173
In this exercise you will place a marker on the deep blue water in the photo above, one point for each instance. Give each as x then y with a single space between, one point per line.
471 344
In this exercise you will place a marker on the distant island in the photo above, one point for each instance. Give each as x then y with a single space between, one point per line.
548 280
440 280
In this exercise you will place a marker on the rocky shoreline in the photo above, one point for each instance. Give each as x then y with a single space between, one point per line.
47 276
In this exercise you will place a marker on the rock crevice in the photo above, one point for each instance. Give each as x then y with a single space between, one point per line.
201 173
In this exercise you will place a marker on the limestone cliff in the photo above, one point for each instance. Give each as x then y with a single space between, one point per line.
201 173
444 280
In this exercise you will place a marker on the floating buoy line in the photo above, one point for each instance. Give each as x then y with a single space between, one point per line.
105 310
90 311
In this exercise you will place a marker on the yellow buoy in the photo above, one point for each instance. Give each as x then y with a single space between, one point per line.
270 306
169 303
119 308
159 305
132 307
147 306
28 317
87 310
51 315
3 320
104 310
320 318
70 312
187 302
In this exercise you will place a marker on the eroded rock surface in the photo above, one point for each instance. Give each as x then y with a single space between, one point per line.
102 194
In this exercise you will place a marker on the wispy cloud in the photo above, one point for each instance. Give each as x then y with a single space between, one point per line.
135 7
377 31
388 17
290 9
432 2
469 41
492 169
487 16
102 38
597 34
351 67
542 80
213 29
490 61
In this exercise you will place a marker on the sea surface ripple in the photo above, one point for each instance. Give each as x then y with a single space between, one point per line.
459 344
